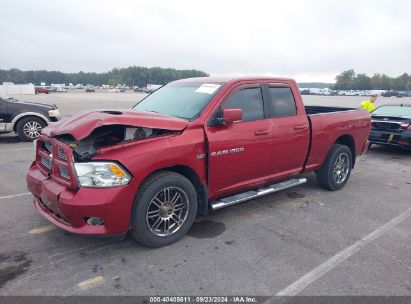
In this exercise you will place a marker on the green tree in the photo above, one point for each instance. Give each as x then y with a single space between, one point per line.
344 81
134 75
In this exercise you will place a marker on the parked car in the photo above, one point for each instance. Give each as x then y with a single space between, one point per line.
26 118
90 89
192 146
393 94
391 125
39 90
349 93
61 89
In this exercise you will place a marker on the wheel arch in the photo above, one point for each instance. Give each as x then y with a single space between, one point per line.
348 140
19 117
191 175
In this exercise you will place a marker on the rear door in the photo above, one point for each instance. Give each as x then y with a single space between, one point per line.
240 152
290 129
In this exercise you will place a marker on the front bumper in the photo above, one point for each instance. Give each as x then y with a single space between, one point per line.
70 209
391 137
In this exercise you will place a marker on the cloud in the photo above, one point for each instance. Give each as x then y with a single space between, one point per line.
308 40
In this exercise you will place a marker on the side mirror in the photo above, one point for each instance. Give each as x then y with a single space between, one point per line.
231 115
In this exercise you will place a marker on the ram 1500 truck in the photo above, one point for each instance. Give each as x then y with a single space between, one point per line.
192 146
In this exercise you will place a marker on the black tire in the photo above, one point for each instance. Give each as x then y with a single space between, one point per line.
143 229
24 124
328 175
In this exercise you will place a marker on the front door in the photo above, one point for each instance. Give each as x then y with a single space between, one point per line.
240 153
3 114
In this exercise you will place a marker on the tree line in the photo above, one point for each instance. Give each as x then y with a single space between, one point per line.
349 80
131 76
141 76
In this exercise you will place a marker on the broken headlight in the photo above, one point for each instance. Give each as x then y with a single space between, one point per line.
101 174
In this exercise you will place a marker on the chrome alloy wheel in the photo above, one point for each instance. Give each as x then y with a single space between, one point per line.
167 211
32 129
341 168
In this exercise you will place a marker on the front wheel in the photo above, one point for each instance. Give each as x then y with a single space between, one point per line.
336 168
164 209
29 128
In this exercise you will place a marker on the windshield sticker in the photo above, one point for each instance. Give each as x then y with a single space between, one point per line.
208 88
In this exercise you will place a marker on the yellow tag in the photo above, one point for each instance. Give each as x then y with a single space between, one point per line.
391 137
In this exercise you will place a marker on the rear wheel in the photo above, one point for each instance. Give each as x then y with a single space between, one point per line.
336 169
164 209
29 128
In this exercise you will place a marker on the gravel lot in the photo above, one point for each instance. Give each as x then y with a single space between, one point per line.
304 240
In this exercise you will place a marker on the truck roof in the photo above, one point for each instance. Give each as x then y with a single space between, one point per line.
225 79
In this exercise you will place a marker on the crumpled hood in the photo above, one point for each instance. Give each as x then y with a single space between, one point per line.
80 126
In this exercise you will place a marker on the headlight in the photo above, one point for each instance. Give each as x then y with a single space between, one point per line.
54 113
101 174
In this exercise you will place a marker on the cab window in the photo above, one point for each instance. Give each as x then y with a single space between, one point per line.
282 102
250 100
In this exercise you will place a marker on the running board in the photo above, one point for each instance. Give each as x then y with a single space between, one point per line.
245 196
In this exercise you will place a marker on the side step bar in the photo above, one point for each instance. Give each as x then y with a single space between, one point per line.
245 196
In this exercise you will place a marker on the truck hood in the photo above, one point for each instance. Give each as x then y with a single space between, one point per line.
80 126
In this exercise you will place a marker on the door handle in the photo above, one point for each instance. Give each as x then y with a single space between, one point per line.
261 132
300 127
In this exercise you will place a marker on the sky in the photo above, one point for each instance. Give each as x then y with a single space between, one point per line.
307 40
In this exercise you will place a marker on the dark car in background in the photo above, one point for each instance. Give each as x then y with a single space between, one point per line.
39 90
25 118
391 125
393 94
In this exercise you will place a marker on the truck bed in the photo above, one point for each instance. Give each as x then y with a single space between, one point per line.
330 123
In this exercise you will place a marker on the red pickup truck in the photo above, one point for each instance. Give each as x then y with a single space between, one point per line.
192 146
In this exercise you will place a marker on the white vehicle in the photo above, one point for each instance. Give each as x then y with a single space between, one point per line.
349 93
325 92
61 89
153 87
378 92
115 90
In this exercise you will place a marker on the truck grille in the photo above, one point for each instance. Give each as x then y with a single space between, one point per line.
62 154
55 159
46 162
48 147
386 125
64 172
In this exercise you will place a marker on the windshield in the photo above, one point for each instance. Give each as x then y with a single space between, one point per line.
393 111
180 99
4 96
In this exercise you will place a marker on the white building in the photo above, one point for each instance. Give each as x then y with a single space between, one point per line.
10 88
